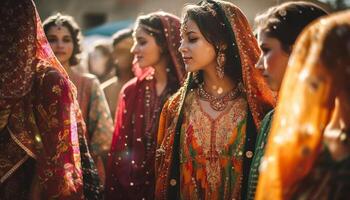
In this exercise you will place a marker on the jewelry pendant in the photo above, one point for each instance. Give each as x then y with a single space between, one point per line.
218 104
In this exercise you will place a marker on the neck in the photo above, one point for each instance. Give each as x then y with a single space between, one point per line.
160 73
340 120
68 68
125 75
341 115
215 85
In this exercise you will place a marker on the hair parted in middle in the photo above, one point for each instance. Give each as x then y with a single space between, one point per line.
72 26
214 30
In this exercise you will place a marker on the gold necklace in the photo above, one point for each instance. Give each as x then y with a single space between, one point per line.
218 103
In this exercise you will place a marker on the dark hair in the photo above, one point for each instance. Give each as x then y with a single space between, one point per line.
157 30
152 24
286 21
68 22
337 53
214 30
121 35
106 51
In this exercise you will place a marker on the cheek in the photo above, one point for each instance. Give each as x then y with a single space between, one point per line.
203 55
272 63
70 47
53 45
154 54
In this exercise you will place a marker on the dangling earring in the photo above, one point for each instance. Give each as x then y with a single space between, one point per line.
220 59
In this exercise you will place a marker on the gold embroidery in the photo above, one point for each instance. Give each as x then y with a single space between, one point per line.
57 90
4 115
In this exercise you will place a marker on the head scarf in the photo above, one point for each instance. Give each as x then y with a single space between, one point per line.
23 45
259 96
246 54
171 28
320 57
25 58
134 119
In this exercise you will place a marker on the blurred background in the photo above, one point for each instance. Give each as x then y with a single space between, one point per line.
104 17
99 19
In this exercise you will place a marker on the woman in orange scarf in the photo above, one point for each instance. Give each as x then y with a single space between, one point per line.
277 30
207 129
308 151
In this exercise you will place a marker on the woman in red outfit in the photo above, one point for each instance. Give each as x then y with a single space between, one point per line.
39 117
130 168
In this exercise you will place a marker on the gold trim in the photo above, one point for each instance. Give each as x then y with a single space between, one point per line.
16 166
29 152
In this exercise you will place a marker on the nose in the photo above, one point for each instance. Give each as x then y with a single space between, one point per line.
182 47
260 64
134 48
60 44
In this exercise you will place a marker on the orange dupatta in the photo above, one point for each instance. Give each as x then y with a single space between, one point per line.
305 105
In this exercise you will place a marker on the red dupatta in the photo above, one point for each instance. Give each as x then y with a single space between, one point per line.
130 168
37 104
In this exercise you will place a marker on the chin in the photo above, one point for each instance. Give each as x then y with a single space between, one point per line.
190 68
273 86
142 66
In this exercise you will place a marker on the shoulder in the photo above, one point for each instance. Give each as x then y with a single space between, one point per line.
87 77
110 83
130 86
268 117
48 76
51 85
173 104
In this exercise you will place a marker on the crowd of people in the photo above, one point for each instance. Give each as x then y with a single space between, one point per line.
198 107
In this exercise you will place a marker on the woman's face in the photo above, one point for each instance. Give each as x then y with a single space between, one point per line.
98 62
61 42
145 49
273 60
196 51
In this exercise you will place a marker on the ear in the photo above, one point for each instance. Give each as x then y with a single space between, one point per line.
221 47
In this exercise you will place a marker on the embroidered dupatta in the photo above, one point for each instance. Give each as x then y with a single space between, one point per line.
259 97
320 57
37 105
130 166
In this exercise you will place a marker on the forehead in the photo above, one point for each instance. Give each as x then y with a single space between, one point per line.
190 26
140 32
58 30
264 38
124 43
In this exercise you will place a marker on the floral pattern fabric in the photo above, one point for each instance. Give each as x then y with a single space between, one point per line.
212 155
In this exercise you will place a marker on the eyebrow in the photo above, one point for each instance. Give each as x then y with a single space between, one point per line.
189 32
140 38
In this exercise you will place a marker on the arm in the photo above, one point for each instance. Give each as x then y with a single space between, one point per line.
59 165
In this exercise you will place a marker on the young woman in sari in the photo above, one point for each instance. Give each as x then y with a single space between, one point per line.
64 37
207 129
159 72
308 150
39 117
277 29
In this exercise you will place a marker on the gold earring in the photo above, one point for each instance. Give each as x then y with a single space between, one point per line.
220 59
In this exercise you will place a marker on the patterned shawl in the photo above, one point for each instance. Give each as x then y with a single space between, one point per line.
37 104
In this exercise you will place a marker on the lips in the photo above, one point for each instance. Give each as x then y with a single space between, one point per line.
186 59
60 53
138 58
